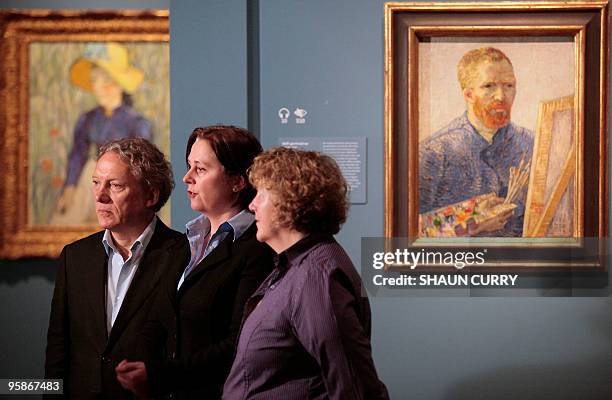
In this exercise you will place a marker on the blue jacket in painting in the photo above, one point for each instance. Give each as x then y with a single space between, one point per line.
94 127
457 163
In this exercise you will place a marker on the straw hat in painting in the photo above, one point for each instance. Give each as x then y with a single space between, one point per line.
111 57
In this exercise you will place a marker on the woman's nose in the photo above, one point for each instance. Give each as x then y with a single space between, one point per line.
187 177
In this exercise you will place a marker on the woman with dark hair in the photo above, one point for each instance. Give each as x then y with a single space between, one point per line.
306 330
200 310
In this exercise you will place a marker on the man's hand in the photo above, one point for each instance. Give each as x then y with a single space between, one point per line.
132 375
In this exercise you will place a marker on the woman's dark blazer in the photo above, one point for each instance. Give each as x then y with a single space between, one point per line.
191 342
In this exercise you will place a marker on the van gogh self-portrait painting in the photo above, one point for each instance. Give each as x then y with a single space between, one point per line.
481 122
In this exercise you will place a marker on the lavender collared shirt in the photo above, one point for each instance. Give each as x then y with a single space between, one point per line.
198 230
306 331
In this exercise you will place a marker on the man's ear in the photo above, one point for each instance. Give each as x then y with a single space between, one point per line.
152 198
468 95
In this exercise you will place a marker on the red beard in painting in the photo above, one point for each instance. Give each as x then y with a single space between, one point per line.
494 115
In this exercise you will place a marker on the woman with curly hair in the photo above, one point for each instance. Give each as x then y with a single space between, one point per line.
306 330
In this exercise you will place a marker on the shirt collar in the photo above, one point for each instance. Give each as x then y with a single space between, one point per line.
497 136
239 222
294 254
198 225
142 240
120 109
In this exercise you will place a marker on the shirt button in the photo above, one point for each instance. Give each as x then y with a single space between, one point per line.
105 359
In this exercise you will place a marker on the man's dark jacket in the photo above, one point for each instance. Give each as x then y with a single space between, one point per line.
79 350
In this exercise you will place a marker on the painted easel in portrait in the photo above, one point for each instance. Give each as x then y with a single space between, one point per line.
550 209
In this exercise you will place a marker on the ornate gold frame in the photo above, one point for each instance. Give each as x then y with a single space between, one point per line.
407 23
18 29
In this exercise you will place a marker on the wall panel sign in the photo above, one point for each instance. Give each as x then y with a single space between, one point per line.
349 153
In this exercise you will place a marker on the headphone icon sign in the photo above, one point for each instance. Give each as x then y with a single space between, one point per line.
283 114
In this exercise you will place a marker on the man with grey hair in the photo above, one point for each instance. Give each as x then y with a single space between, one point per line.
106 282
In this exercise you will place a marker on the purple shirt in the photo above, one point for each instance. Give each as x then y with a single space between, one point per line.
306 331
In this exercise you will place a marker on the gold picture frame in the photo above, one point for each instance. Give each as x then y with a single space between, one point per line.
30 99
416 31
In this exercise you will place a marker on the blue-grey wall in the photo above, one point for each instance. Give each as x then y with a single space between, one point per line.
208 77
327 57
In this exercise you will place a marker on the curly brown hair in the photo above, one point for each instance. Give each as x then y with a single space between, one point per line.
309 191
146 163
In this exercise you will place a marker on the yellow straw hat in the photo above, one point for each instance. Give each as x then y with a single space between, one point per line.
112 58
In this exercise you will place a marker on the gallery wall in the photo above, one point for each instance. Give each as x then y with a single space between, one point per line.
238 62
327 57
